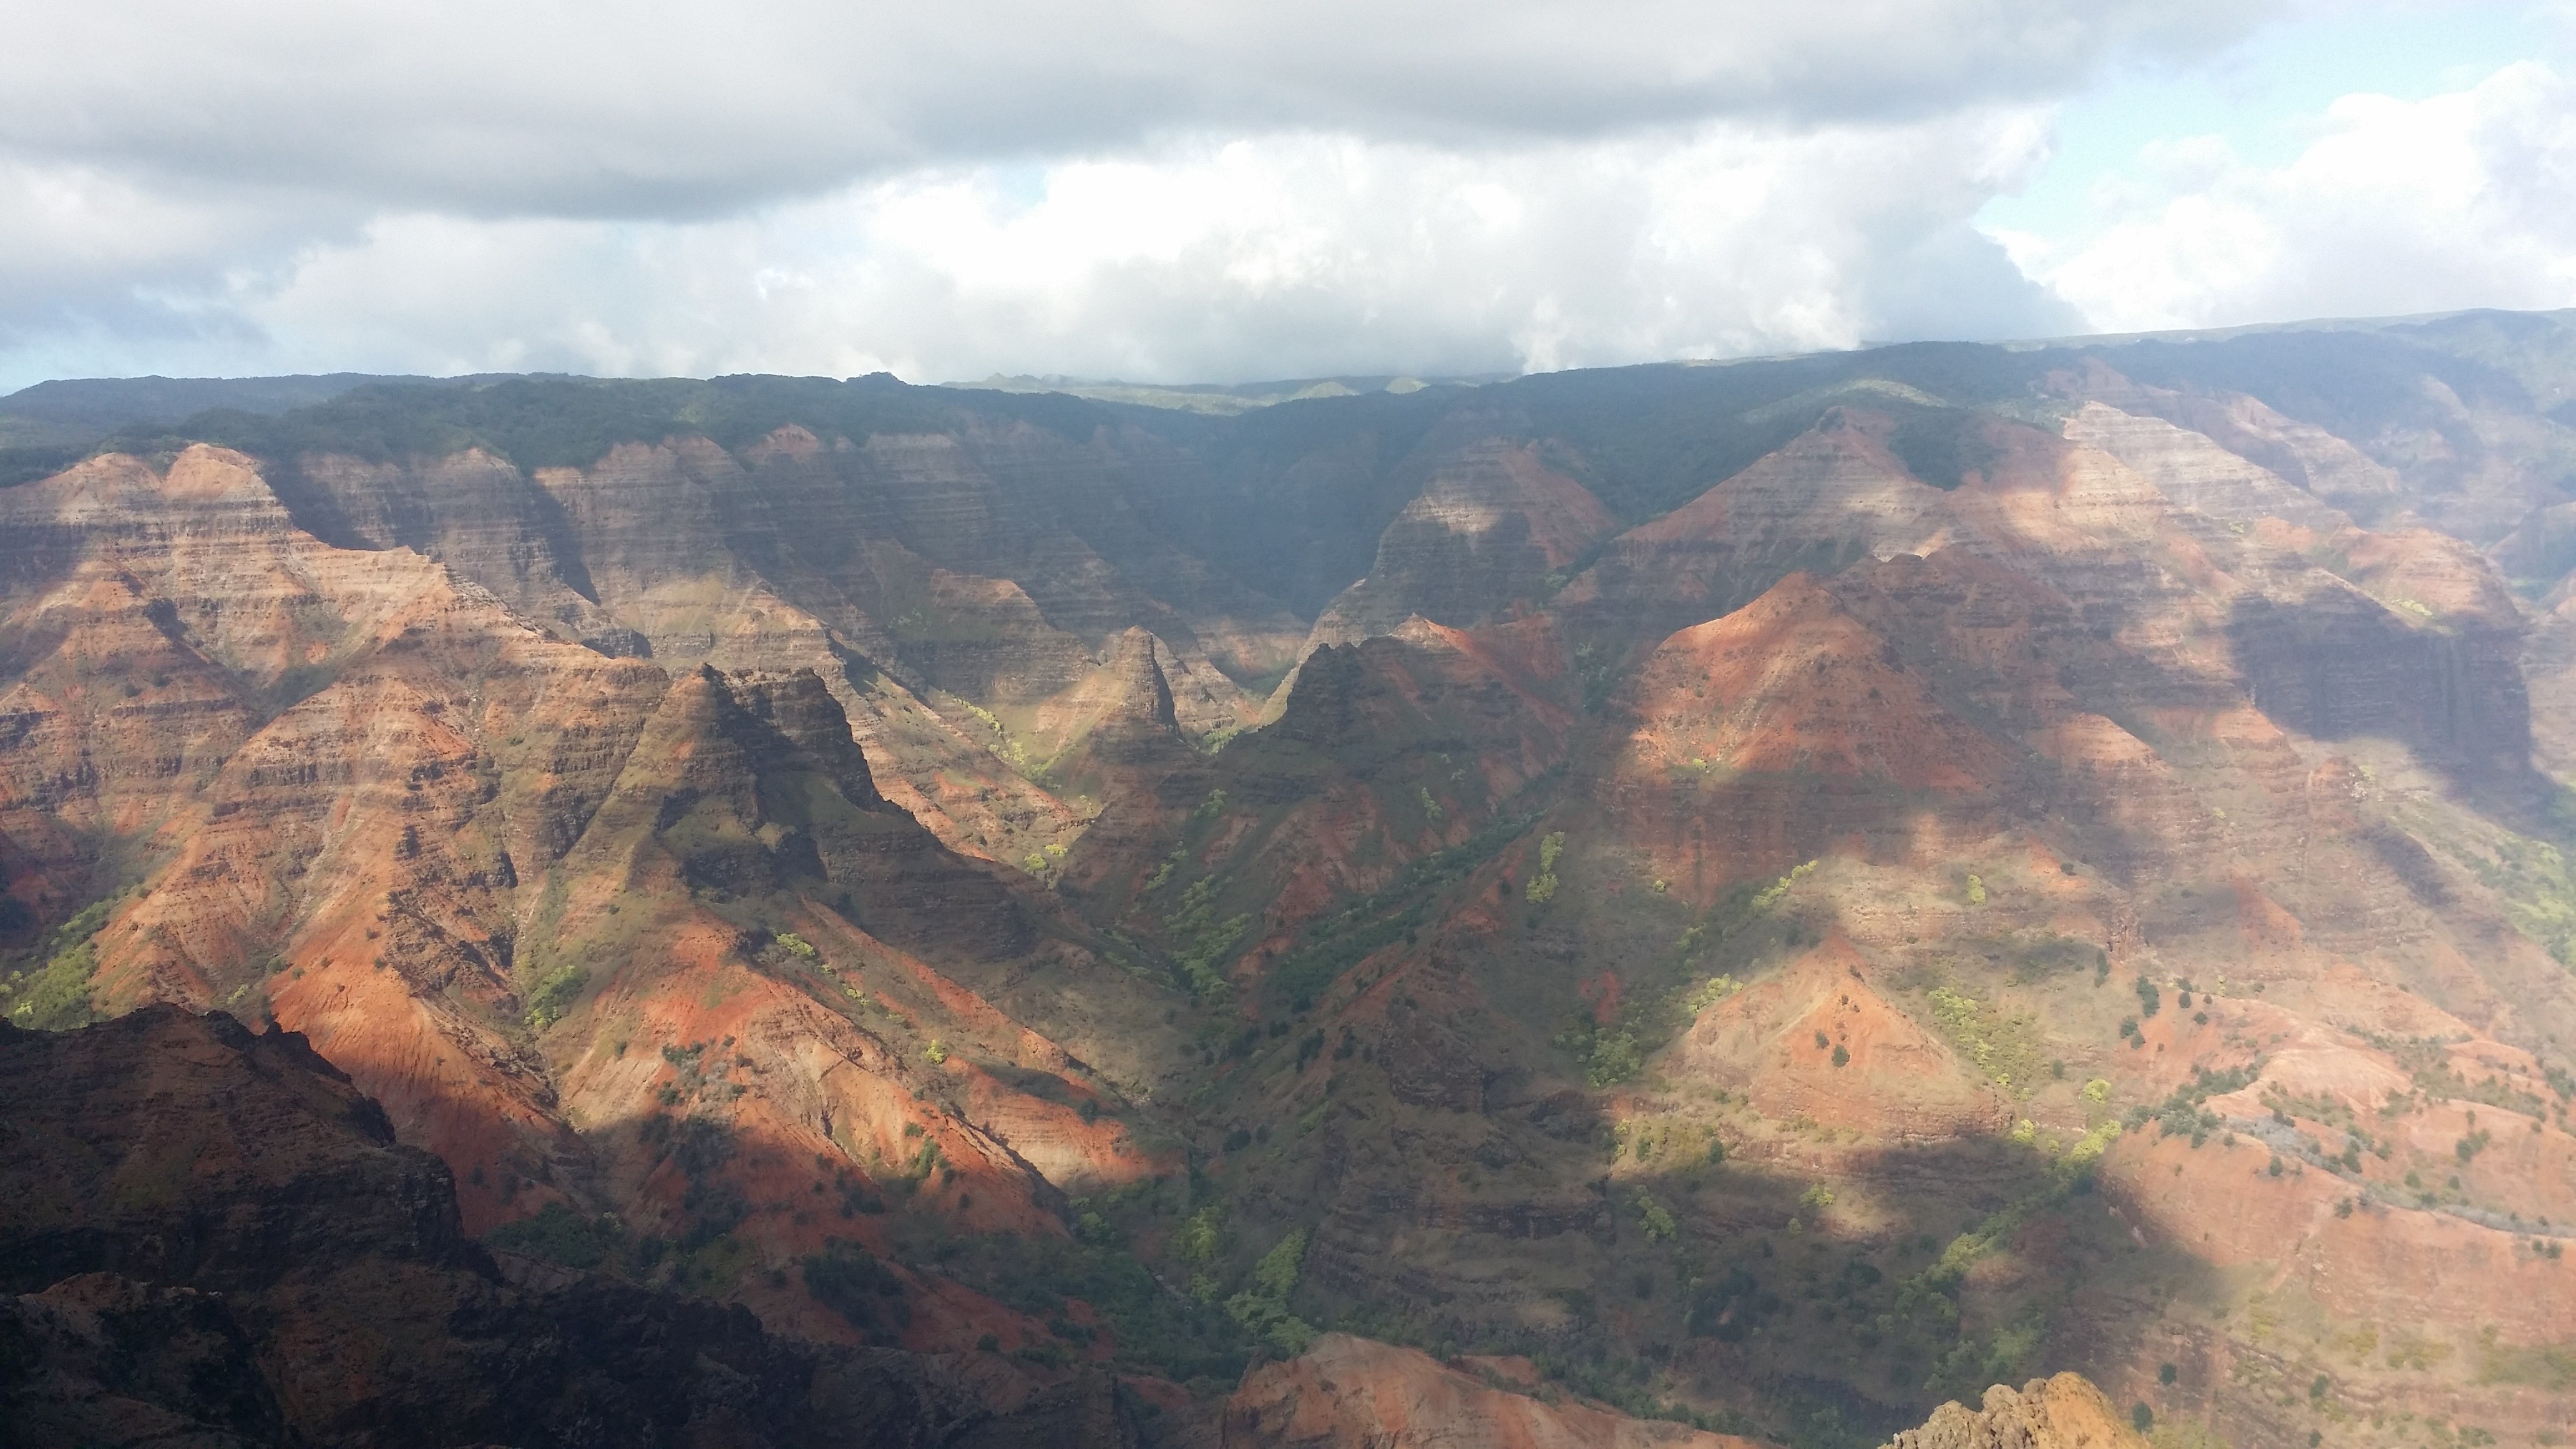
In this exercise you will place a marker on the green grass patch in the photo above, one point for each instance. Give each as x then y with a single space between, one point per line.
2005 1046
553 996
54 996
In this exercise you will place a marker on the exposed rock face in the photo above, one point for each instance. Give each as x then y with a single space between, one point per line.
100 1359
1786 724
2195 472
1349 1391
2065 1412
2336 664
1487 529
215 1240
1830 498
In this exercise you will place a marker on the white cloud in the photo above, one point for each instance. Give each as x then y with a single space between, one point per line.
1283 255
664 108
2466 199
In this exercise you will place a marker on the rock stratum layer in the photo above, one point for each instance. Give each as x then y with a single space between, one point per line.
1782 895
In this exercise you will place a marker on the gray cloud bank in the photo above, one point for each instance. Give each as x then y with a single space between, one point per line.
545 108
1155 190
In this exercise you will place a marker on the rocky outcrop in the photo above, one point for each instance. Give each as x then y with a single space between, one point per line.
754 785
2065 1412
100 1359
1488 529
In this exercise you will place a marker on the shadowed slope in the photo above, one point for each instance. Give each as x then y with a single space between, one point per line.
229 1203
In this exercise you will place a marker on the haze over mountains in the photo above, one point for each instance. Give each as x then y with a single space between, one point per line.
1761 896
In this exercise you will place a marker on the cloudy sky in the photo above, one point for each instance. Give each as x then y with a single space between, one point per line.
1191 190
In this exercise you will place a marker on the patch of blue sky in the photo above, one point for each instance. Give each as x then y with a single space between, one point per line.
2267 96
1019 185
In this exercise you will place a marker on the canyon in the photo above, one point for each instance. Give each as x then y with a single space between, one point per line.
1702 904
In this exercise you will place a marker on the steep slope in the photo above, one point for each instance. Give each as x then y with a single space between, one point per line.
1350 1391
1784 726
212 1238
1833 495
483 868
1494 527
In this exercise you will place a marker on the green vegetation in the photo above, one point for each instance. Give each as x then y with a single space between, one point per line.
1943 447
1610 1055
1201 1235
2004 1046
1658 1222
1709 993
553 995
2550 1366
560 1235
1936 1288
1204 940
1731 1306
1339 942
2181 1113
1731 917
1176 1336
1772 894
1542 887
706 1260
2539 887
847 1279
2002 1357
2428 1061
2042 955
1262 1307
574 422
55 995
